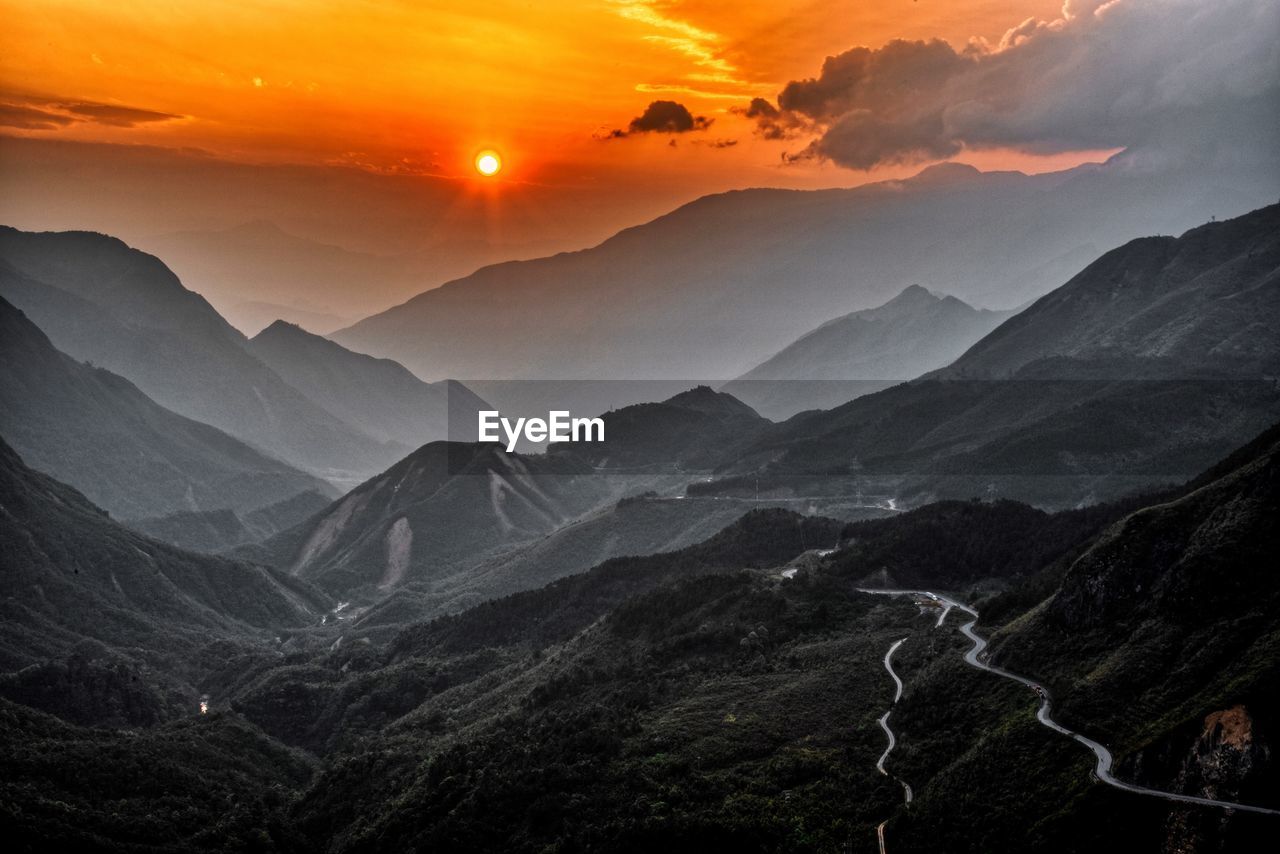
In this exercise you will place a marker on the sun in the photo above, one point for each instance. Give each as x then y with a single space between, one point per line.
488 163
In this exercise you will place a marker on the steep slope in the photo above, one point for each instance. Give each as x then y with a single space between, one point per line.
1188 586
100 301
1160 639
377 395
865 351
1203 304
71 574
636 525
435 513
97 431
1142 370
707 291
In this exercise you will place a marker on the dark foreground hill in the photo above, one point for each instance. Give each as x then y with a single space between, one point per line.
96 430
103 624
727 695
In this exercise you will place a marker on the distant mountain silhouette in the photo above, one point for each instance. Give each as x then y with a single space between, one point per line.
864 351
1144 368
379 396
97 431
101 301
711 289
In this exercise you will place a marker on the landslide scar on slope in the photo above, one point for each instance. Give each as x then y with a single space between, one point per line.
399 546
326 533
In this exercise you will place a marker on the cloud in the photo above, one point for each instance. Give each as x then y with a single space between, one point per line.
1103 75
117 116
772 123
661 117
30 118
37 112
668 117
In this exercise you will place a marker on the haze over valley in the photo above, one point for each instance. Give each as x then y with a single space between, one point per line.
931 359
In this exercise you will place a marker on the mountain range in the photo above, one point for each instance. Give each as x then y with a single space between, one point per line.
378 396
1142 369
632 645
99 300
96 430
722 283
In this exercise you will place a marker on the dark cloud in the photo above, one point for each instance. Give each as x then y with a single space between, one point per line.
116 116
29 118
664 117
772 123
668 117
1106 74
35 112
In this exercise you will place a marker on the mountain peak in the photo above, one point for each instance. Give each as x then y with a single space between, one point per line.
913 294
281 328
946 173
703 398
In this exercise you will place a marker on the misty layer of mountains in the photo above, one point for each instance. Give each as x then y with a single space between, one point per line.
723 283
865 351
256 600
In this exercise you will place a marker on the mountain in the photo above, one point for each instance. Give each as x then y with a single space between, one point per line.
99 300
1141 370
109 643
437 512
1203 304
71 575
684 674
687 430
376 395
864 351
96 430
1158 639
709 290
638 524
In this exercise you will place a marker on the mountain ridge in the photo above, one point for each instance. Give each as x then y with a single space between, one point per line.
97 430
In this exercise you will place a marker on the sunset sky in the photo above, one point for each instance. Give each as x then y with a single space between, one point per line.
153 105
420 86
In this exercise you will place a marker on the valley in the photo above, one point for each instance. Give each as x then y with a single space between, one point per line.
271 594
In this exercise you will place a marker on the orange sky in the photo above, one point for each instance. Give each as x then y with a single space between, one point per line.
405 85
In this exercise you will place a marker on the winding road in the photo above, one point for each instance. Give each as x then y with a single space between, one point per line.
884 724
974 657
